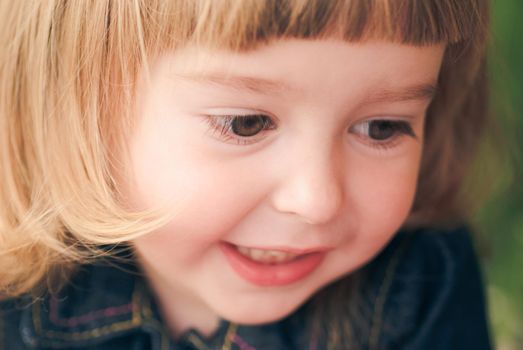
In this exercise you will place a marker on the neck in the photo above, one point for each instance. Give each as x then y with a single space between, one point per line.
179 309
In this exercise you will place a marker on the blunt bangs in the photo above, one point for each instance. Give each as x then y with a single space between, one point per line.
243 25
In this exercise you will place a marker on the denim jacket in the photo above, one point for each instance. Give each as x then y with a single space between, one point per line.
425 291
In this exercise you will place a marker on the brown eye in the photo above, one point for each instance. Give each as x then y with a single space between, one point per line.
382 130
242 129
250 125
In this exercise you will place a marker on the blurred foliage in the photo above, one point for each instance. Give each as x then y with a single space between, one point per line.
501 220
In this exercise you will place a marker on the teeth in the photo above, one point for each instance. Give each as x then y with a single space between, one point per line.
266 256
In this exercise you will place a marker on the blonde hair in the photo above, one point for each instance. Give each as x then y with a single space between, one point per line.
67 75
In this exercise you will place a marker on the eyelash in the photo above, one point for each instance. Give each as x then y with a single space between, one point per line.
223 125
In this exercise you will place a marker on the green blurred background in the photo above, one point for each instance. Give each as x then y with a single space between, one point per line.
501 220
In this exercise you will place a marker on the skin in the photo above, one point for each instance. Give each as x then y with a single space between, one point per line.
314 180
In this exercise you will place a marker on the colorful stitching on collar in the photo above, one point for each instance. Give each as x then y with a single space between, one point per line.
86 318
229 336
135 321
242 344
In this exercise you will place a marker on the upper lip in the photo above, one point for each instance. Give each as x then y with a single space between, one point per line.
293 250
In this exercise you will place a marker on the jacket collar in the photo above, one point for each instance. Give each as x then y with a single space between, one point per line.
102 303
99 303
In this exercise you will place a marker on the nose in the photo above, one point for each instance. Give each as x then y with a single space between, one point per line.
311 189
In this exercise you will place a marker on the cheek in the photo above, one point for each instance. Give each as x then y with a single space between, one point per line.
206 195
384 192
205 216
381 198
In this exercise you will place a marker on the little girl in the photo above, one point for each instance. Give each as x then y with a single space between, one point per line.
220 174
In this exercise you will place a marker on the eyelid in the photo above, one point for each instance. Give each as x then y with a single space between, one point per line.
237 112
225 128
404 124
222 125
384 146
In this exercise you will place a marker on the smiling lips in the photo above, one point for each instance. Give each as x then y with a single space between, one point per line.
265 267
266 256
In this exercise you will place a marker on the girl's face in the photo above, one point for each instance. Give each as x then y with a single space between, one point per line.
301 147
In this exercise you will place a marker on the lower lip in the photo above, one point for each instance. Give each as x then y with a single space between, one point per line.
278 274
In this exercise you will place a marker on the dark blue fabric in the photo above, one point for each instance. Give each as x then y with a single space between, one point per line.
423 291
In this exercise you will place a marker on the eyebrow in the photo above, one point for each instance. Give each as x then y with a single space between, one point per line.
239 82
416 92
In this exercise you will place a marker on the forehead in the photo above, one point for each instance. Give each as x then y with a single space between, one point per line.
292 65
